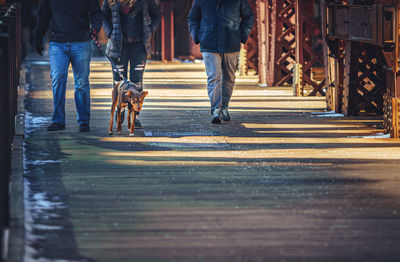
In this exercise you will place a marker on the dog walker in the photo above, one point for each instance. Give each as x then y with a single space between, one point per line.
126 83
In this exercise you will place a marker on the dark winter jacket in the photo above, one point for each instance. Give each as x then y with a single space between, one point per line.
220 25
151 17
132 23
69 20
114 44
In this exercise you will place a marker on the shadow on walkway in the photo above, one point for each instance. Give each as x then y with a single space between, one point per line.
280 182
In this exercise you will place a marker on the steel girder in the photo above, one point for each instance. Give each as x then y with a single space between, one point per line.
287 34
282 47
309 54
252 42
362 61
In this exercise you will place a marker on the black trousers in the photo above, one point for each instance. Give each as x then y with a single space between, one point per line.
135 55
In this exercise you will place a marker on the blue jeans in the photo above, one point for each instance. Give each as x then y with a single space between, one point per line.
220 69
77 54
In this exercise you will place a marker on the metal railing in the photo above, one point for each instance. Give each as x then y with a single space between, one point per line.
10 54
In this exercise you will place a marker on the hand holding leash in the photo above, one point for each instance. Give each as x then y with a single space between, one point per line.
93 32
115 69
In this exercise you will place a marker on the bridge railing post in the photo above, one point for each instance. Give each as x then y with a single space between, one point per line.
10 54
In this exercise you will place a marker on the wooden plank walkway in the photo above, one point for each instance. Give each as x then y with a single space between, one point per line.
278 183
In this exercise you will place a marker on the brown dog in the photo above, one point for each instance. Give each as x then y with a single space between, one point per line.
126 94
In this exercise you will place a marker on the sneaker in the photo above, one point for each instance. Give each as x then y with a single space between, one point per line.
55 127
225 114
84 127
138 124
216 116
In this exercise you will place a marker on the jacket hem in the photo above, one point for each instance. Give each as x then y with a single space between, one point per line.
67 40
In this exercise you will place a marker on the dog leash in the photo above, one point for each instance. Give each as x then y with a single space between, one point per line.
114 67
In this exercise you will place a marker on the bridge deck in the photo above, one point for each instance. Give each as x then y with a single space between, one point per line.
281 182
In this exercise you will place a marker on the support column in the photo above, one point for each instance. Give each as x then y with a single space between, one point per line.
391 113
307 41
252 42
396 100
263 29
283 44
364 79
167 31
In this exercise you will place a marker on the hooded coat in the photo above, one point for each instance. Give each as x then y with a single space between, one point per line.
220 25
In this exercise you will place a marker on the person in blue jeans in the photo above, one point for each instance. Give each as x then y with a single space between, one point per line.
220 26
72 23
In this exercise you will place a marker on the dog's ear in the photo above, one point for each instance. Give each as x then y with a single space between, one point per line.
145 93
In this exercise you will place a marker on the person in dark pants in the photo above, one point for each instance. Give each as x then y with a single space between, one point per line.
129 25
72 23
220 26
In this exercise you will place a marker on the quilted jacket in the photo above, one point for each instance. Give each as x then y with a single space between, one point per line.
151 19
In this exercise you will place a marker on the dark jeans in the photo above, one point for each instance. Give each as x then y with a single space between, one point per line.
135 54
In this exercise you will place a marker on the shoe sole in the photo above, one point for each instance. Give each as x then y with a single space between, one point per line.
85 128
55 129
216 121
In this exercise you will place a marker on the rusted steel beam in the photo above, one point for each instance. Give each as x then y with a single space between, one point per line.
365 79
282 42
263 22
396 99
333 53
167 31
308 41
299 86
252 42
368 33
391 105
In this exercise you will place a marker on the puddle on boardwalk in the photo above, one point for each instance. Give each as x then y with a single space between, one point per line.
40 62
34 123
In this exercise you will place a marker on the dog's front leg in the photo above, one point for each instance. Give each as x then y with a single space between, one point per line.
129 118
119 120
132 129
113 106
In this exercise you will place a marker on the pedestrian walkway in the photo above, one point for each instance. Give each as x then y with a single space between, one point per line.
283 181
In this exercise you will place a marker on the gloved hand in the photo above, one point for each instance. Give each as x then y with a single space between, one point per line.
39 47
93 33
